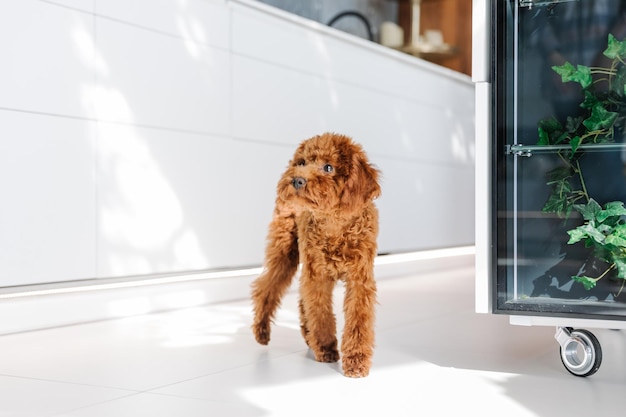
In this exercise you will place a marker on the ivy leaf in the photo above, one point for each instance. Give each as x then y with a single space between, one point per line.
575 143
580 74
550 132
613 223
590 100
558 174
615 48
587 282
558 205
576 235
600 118
616 237
618 80
615 240
587 230
558 201
611 209
606 230
590 210
573 123
620 263
544 137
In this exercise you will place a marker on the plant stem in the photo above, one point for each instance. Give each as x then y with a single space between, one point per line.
603 70
621 288
605 272
582 180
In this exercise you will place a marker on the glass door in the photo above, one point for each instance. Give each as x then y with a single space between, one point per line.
557 132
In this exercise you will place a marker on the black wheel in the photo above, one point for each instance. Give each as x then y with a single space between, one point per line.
582 354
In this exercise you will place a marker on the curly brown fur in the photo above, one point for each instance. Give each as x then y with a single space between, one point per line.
326 220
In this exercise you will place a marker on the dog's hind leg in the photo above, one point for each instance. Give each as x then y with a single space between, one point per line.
281 262
357 343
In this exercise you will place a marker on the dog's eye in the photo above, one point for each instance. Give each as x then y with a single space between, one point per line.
328 168
301 163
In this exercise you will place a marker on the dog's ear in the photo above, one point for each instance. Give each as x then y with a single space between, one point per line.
361 185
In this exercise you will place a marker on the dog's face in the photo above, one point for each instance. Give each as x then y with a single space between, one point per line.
329 172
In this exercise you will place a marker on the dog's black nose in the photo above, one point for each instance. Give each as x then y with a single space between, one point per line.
298 182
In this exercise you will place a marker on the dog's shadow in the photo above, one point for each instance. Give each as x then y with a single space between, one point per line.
335 366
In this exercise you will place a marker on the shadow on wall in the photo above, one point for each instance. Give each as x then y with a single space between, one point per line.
165 200
141 219
141 222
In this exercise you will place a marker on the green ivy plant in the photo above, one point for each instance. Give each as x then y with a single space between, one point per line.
605 232
604 105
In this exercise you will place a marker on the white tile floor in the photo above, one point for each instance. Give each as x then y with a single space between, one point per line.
434 357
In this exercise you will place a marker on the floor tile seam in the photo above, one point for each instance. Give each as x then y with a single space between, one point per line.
188 397
97 403
78 384
221 371
417 322
122 392
135 393
139 393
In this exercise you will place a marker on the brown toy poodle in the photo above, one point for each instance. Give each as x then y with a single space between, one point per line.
326 220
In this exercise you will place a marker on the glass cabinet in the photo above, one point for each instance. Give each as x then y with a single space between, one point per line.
551 175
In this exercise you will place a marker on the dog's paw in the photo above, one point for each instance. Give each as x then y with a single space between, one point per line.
328 353
355 366
328 356
261 333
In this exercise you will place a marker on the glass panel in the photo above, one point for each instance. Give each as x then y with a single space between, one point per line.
565 184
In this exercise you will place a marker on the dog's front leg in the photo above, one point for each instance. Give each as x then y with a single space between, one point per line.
357 343
316 315
281 263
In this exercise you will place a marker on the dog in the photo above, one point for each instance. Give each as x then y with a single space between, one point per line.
324 219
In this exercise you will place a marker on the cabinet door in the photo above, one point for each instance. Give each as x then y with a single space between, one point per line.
558 143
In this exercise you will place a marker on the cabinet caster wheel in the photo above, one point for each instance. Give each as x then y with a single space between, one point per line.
581 353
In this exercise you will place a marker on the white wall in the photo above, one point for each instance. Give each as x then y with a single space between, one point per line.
147 136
